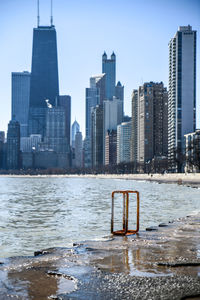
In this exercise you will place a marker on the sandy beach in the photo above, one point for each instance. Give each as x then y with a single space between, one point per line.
190 179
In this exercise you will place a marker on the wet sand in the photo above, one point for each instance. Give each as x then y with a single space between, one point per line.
161 263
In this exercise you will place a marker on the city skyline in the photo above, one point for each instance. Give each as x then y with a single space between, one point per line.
132 68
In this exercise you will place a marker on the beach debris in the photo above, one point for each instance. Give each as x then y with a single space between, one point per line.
179 264
59 274
162 225
152 228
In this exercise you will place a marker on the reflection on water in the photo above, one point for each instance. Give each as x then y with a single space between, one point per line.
37 213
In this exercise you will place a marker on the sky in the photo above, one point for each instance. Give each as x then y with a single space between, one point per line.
138 31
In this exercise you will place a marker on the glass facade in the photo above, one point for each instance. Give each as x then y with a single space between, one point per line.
109 68
44 76
20 100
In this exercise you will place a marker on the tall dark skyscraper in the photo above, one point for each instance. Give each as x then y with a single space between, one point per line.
20 100
109 68
44 77
13 145
65 102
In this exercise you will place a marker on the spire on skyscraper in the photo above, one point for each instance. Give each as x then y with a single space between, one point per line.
51 19
113 55
38 13
104 56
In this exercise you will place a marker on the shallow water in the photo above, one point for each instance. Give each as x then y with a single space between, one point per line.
37 213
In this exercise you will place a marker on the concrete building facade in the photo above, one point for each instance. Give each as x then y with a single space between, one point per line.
182 89
150 120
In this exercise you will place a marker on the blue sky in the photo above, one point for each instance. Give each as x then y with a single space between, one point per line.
137 31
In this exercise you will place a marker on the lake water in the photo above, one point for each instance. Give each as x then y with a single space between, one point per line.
43 212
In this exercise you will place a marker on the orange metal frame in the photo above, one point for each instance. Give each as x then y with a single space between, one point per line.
125 230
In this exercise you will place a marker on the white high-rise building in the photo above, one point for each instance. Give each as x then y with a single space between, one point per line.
182 89
123 142
113 116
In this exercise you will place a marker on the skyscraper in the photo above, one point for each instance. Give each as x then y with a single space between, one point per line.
65 102
134 127
119 93
149 115
44 77
97 136
75 129
20 99
113 116
182 89
123 142
95 95
2 136
13 145
109 68
55 137
78 150
2 146
111 147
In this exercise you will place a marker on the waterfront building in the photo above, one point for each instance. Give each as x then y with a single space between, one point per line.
92 99
95 95
119 94
151 117
2 136
78 150
65 102
55 136
2 143
97 136
113 116
75 129
99 81
123 142
134 128
111 147
192 151
20 100
109 68
44 77
182 90
31 143
13 145
87 152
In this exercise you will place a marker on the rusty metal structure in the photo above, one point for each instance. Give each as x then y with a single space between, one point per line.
125 198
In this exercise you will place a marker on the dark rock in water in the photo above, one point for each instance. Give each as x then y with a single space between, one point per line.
179 264
162 225
77 244
152 228
59 274
49 251
1 263
41 252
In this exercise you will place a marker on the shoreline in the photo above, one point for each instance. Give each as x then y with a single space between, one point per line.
163 263
179 178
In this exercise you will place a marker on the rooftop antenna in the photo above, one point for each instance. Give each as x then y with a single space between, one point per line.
38 13
51 20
